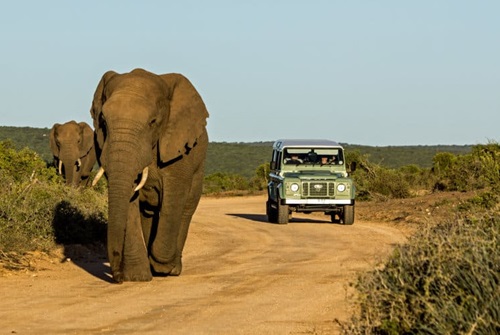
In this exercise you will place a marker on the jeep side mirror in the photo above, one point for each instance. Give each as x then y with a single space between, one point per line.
272 165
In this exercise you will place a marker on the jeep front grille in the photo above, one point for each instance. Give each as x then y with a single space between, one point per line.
318 189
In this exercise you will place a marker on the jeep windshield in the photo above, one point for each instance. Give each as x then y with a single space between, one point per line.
313 156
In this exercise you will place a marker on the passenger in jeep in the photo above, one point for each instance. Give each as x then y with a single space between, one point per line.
328 160
293 159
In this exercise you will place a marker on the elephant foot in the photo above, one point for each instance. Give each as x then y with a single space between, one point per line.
166 269
138 277
132 274
118 277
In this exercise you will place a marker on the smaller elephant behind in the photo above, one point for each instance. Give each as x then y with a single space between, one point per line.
72 145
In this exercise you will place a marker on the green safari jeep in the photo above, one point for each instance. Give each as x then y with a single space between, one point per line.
309 176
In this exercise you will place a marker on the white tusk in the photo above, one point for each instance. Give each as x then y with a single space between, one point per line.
60 167
143 179
98 176
79 162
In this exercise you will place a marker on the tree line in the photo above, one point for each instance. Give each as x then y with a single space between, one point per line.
243 158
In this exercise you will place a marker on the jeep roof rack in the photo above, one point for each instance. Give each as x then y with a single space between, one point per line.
279 144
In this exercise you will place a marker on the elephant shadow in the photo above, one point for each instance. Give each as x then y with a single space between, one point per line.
263 218
83 238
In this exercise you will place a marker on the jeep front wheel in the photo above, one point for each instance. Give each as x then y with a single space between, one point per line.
348 215
283 213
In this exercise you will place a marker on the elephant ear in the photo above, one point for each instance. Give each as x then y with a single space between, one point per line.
187 119
97 103
87 139
53 145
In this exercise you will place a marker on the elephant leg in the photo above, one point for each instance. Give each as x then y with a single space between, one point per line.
174 220
164 254
136 265
187 215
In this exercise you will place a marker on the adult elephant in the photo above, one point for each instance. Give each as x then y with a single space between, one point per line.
151 142
72 145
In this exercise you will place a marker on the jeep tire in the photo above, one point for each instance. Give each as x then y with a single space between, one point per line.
348 215
283 213
272 213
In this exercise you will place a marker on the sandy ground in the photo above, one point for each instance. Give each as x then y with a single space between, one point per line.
242 275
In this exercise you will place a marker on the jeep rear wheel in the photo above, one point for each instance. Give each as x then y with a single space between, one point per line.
272 213
348 215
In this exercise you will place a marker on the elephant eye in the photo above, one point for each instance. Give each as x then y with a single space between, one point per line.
102 121
152 122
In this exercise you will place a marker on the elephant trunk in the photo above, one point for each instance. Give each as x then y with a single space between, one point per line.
119 194
68 161
122 179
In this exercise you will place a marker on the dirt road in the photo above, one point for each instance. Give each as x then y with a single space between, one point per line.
241 275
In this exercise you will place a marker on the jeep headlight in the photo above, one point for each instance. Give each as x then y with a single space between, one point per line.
341 187
294 187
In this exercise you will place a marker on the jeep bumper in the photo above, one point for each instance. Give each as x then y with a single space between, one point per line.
318 201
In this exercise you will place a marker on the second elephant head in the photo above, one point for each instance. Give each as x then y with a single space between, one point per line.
72 145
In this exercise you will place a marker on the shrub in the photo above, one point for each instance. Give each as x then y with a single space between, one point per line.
221 182
488 155
478 170
374 181
37 208
445 280
417 178
261 178
224 182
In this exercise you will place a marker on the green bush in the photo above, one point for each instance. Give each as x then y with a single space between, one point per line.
488 156
478 170
375 181
261 178
445 280
417 178
224 182
38 211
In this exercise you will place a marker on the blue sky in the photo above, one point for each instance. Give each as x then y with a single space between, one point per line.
360 72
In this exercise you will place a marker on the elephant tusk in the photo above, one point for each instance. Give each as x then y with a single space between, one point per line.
143 179
98 176
79 162
60 167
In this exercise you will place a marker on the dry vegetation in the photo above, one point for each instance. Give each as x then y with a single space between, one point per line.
445 280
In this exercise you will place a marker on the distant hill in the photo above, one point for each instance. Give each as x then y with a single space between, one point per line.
398 156
243 158
37 139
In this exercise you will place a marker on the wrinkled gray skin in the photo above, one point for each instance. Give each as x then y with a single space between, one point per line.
156 121
72 144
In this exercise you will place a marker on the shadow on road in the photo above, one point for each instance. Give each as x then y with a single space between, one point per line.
83 238
91 259
263 218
